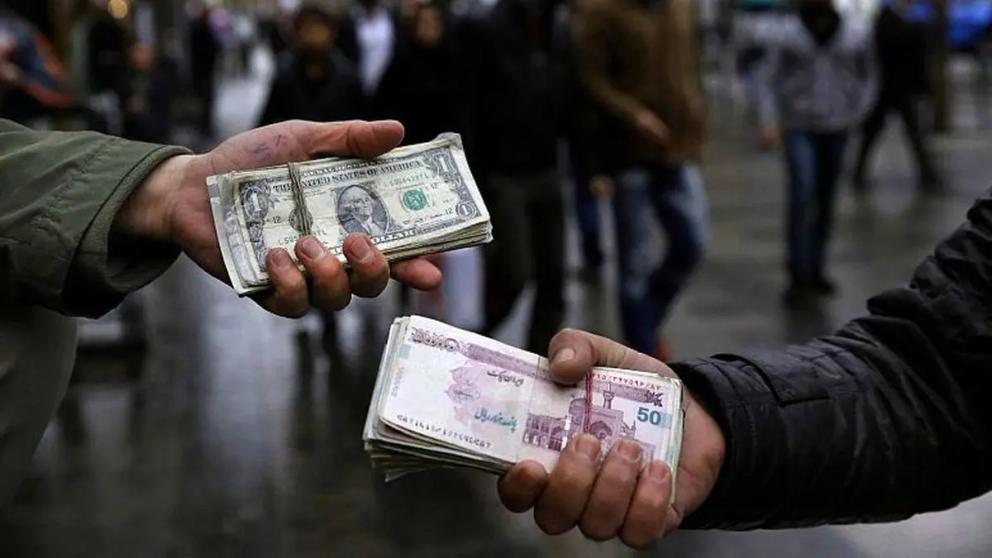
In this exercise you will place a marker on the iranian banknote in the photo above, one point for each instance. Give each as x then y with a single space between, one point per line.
412 201
449 398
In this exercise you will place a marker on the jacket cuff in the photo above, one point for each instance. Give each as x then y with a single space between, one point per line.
103 270
731 392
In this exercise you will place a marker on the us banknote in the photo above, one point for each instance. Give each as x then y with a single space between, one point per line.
412 201
449 398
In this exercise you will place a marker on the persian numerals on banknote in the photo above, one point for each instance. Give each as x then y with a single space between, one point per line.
446 397
411 201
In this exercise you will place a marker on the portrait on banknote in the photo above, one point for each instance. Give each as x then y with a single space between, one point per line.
360 210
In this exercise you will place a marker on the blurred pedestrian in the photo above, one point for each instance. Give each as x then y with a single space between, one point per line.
369 38
902 57
579 132
313 80
517 156
819 83
149 96
205 49
641 64
32 79
107 52
421 87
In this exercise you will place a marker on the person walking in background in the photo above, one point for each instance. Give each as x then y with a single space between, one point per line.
641 65
368 38
149 95
819 83
579 129
421 86
205 48
902 57
32 79
313 81
517 163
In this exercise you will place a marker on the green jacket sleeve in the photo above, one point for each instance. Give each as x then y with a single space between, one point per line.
59 194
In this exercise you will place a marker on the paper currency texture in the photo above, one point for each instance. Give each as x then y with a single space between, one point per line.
446 397
412 201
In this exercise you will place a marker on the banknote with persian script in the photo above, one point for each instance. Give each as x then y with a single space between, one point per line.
481 399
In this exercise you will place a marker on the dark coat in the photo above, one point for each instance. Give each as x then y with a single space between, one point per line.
294 95
517 115
886 418
422 90
902 55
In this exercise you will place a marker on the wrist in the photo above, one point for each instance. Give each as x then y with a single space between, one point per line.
147 212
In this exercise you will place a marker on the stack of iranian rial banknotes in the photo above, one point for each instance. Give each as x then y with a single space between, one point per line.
449 398
412 201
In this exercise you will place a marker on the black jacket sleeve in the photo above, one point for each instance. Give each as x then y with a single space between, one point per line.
884 419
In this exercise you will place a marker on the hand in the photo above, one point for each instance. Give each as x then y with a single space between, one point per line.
172 206
602 186
652 127
771 138
620 499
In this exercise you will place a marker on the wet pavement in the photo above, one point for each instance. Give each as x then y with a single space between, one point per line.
235 433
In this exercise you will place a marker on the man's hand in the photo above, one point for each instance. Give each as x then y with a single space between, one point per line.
622 498
653 128
172 206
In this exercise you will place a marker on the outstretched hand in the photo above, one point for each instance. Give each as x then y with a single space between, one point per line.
624 497
172 206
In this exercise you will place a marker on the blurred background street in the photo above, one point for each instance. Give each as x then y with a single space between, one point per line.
199 425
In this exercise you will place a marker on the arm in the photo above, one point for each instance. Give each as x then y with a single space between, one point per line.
767 103
59 194
868 70
85 218
592 43
884 419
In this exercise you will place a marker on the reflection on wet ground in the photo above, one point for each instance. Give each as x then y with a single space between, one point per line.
233 433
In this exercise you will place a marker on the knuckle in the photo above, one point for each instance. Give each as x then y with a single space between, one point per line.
597 530
569 333
552 526
618 475
573 477
291 285
635 540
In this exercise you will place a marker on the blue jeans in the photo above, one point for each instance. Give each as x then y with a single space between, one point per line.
586 207
674 196
814 161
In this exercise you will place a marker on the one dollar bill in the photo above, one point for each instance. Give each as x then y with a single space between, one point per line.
449 398
412 201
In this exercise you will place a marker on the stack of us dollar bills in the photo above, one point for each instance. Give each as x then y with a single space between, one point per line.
414 200
449 398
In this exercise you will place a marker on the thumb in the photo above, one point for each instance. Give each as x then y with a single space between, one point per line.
352 139
573 353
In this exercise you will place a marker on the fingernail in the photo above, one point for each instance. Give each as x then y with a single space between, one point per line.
312 248
588 445
280 258
658 471
362 250
629 450
563 356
